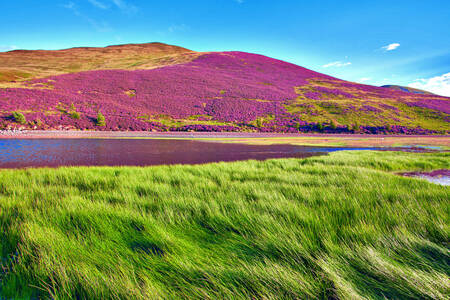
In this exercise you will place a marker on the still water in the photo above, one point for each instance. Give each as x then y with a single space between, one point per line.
19 153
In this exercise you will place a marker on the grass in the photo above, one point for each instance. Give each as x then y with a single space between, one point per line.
31 65
335 108
441 142
317 140
337 226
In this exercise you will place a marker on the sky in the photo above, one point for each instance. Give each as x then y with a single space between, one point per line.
373 42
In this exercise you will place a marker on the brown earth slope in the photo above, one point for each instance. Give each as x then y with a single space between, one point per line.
19 65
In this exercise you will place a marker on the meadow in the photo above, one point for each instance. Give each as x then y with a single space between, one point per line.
341 226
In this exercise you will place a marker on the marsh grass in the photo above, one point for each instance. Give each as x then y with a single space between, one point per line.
337 226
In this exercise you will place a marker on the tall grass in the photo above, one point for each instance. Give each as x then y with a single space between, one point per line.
337 226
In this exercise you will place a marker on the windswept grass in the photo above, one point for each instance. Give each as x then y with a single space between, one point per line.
442 142
338 226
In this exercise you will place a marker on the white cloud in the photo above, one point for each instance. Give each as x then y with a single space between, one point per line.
337 64
7 48
125 7
99 4
439 84
100 26
120 4
364 79
391 47
69 5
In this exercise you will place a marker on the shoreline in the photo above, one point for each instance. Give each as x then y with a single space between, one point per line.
185 134
343 140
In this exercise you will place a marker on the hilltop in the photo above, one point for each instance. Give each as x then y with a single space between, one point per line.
160 87
18 65
407 89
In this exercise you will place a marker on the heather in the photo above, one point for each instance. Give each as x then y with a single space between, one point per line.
434 104
342 226
247 91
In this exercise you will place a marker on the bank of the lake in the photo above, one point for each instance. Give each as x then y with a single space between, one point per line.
336 226
252 138
23 153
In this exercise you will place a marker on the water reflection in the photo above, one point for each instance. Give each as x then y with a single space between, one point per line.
441 177
18 153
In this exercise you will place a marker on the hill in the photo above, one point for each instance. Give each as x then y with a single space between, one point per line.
407 89
19 65
160 87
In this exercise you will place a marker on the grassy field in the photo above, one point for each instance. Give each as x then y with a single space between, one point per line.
442 142
338 226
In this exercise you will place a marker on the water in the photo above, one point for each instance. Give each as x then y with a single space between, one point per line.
443 180
19 153
441 177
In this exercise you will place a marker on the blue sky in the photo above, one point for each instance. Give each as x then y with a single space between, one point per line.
374 42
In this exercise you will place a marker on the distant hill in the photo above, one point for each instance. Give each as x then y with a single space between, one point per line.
161 87
407 89
25 64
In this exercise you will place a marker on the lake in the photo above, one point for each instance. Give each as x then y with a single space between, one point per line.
20 153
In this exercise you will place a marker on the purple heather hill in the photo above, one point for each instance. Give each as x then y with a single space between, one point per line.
217 84
231 87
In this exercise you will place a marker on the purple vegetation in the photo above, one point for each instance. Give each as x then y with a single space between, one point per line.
207 128
369 108
435 104
232 87
388 107
313 95
333 92
225 86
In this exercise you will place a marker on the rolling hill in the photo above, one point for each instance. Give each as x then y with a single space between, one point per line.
407 89
21 65
160 87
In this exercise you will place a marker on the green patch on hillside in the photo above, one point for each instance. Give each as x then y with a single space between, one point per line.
14 75
192 120
338 226
348 112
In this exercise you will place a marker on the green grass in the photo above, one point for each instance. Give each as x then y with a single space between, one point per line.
323 111
339 226
19 117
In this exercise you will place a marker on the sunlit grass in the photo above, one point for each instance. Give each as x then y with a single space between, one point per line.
337 226
319 140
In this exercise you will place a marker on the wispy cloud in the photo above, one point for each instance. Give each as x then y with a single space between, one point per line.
70 5
125 6
337 64
7 48
439 84
391 47
99 4
364 79
239 1
100 26
174 28
122 5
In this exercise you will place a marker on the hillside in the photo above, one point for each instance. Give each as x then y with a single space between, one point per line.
406 89
161 88
19 65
